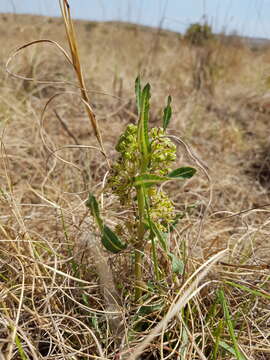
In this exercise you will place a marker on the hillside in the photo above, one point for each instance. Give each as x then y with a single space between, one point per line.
51 276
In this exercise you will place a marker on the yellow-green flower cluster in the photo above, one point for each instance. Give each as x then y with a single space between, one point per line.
162 211
163 152
126 167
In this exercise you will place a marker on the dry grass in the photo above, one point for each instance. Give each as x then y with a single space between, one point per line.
54 278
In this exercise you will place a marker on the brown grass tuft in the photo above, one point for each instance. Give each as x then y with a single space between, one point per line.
62 296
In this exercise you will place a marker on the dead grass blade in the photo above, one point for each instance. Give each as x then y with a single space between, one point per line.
19 49
176 306
71 37
74 60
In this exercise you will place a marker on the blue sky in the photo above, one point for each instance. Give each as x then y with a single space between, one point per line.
247 17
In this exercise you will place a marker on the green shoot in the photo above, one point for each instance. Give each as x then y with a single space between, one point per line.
144 163
228 319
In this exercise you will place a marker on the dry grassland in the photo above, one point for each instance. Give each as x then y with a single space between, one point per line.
53 275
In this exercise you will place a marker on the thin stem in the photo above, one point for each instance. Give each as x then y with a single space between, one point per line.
154 252
139 246
73 45
138 274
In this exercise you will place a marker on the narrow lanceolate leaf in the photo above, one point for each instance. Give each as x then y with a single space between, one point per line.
108 238
111 241
177 264
182 173
230 324
231 350
217 333
167 113
138 92
149 180
256 292
160 235
150 308
94 208
23 355
143 137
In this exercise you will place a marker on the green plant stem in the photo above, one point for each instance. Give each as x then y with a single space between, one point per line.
138 274
154 254
139 245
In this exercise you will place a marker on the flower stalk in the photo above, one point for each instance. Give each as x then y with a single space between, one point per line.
144 163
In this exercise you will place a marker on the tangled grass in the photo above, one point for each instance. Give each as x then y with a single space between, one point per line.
62 295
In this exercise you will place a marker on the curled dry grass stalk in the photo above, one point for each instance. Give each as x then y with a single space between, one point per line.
59 298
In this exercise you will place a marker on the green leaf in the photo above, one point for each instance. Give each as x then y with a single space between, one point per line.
231 350
18 343
230 324
92 204
177 264
85 298
148 180
162 238
143 136
167 113
255 292
217 333
149 309
138 92
185 345
111 241
182 173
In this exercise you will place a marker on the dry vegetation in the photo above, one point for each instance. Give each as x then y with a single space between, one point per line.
53 275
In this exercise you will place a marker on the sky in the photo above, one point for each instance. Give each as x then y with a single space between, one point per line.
246 17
